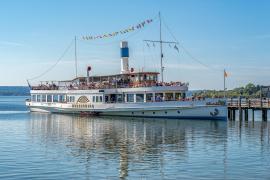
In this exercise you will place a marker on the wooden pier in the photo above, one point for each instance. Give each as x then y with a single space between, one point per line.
243 105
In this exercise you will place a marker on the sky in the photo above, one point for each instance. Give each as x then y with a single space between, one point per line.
213 36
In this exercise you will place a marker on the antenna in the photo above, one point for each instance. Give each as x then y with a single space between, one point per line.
160 41
75 55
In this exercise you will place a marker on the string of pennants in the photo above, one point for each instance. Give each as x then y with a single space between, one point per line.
171 45
127 30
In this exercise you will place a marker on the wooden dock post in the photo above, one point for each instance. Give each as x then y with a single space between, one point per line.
240 109
233 114
230 114
253 114
264 114
246 114
240 114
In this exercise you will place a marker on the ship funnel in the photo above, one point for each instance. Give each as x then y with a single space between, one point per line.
124 57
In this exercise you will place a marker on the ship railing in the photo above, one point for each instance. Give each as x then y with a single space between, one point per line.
105 85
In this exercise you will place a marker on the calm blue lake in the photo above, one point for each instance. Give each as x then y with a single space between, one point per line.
53 146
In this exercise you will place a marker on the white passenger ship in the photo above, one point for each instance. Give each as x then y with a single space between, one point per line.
130 93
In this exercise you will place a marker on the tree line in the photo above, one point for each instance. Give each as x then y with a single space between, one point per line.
248 91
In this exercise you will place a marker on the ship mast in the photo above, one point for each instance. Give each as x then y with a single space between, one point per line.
75 56
161 42
161 53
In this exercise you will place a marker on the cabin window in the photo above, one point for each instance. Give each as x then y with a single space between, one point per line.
130 97
97 98
49 98
62 98
100 98
159 97
94 99
144 77
149 97
38 98
43 97
183 95
139 97
119 98
33 98
152 77
71 99
168 96
55 98
177 96
137 78
106 99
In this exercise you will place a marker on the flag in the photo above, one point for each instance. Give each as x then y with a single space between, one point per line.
176 48
225 74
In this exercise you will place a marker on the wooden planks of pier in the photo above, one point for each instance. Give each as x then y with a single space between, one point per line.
243 105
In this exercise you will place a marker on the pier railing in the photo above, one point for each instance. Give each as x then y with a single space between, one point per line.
244 105
248 103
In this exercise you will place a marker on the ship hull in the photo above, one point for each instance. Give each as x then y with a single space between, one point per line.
217 112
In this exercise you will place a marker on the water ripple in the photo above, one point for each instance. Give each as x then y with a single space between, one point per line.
53 146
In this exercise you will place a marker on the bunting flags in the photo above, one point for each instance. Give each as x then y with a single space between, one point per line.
127 30
170 44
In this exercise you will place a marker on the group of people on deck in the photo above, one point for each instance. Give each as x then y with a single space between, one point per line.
106 85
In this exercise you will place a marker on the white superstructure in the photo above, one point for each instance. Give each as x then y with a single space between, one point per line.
136 94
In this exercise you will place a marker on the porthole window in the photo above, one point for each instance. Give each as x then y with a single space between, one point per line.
132 113
142 112
178 112
154 112
166 112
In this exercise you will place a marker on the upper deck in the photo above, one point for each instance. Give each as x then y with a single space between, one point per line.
129 80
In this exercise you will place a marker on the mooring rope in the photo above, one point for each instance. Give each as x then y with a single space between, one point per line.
52 66
186 51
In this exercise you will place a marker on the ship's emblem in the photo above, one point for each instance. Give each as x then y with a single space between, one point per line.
215 113
83 99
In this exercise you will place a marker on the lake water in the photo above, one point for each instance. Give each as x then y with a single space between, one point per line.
53 146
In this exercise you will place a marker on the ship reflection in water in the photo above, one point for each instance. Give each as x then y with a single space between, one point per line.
154 148
128 146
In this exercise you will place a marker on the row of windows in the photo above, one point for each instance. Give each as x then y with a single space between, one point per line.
112 98
59 98
50 98
148 97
